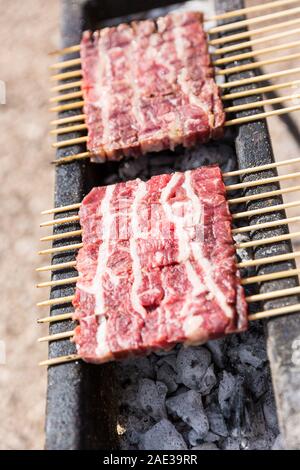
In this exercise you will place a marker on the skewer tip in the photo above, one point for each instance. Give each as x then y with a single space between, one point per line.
60 360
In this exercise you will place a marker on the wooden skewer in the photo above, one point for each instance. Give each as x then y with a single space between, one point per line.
65 64
231 122
255 65
68 129
67 107
222 28
248 228
262 181
258 19
69 207
241 120
221 16
255 53
60 360
68 120
254 169
57 267
58 301
253 298
230 96
270 277
245 281
66 143
255 117
273 223
80 104
230 109
265 241
260 90
59 282
255 316
64 220
258 78
59 249
253 197
244 11
249 299
248 184
224 50
243 264
72 158
66 50
55 318
239 245
274 312
58 236
254 42
66 75
268 260
236 200
273 295
67 86
57 336
66 96
254 32
265 210
225 60
259 104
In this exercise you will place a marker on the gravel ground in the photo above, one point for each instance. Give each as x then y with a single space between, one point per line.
26 187
28 31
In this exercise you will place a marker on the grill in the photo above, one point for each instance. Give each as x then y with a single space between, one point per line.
82 399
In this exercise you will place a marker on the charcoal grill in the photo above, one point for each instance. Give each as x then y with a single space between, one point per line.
82 399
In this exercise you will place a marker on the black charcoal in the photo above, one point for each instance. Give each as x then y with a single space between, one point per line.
230 443
134 368
151 397
193 438
135 426
170 359
162 436
212 437
188 406
226 393
269 410
256 380
192 364
252 356
208 381
216 348
167 375
206 446
216 420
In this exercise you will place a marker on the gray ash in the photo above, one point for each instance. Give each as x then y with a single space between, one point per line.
216 396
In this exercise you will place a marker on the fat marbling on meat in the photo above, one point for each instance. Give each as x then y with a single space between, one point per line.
157 266
149 86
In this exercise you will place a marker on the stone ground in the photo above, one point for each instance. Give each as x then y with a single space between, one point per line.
26 188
